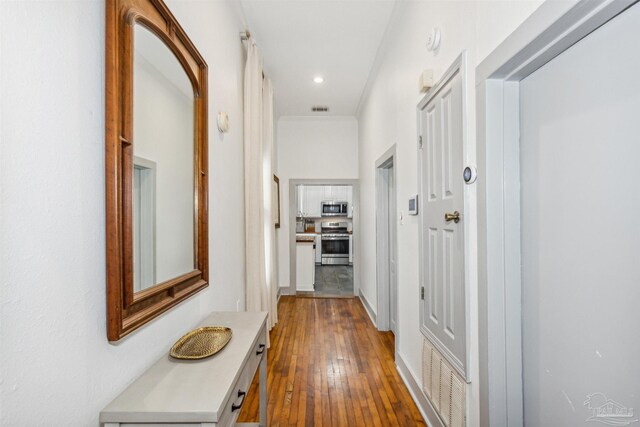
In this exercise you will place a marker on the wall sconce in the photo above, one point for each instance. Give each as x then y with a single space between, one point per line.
223 122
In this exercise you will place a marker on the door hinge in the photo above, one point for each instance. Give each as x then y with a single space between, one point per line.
422 292
420 142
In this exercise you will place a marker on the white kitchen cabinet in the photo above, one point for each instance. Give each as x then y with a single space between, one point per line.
314 195
326 192
318 249
351 249
310 198
305 265
339 193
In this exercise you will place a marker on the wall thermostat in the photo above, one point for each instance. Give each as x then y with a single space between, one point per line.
413 205
469 174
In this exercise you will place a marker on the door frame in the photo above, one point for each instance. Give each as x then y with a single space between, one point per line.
549 31
355 220
383 220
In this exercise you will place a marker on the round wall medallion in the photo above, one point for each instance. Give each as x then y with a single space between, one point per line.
433 40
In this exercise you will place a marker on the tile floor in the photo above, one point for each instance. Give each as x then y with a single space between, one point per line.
333 280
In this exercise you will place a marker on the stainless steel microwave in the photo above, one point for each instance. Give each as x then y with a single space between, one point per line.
334 208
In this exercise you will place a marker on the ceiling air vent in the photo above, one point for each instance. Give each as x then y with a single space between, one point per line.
320 109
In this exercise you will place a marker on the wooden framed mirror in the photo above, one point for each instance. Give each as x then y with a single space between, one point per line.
156 164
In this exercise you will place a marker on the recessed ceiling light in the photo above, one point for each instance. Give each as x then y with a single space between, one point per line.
318 79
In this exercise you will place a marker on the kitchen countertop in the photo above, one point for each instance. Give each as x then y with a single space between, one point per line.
306 237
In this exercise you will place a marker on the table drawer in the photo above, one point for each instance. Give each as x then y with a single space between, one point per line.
258 352
239 392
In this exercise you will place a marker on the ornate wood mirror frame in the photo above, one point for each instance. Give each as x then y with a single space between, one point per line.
128 310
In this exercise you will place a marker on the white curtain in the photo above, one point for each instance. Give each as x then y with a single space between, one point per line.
259 229
270 230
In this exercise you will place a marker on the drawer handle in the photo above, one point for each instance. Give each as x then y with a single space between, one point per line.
260 350
235 407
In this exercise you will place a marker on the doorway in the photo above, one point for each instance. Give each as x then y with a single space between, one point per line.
386 242
558 287
323 233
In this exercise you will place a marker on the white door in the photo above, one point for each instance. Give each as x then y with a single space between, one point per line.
443 312
580 233
393 278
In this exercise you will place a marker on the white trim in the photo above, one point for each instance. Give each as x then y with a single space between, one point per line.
383 296
548 32
463 367
367 307
427 410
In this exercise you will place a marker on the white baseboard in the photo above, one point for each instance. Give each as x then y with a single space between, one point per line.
424 406
286 291
367 307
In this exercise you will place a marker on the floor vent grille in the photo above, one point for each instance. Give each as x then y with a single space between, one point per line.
320 109
443 386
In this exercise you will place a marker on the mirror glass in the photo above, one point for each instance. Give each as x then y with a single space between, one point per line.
163 158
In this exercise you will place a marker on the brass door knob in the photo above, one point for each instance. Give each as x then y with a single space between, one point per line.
455 216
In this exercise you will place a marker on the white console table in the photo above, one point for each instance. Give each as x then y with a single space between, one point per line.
205 393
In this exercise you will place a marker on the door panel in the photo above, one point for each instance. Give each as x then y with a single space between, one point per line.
580 235
443 241
448 281
433 297
447 148
432 150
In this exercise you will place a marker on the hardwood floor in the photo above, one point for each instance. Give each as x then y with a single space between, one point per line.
329 366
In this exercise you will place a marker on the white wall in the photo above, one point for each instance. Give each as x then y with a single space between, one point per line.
311 148
56 366
388 115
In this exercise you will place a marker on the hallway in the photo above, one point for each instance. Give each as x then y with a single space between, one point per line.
329 366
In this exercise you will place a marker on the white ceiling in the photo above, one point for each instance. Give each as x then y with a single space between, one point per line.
300 39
